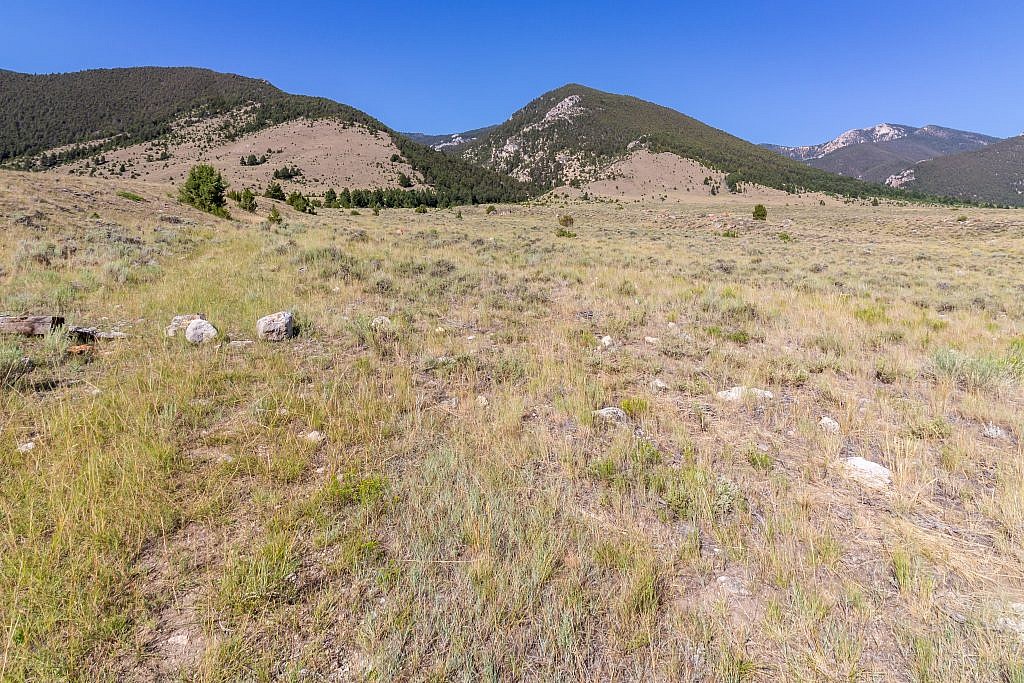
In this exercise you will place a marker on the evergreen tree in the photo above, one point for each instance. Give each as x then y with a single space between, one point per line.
204 189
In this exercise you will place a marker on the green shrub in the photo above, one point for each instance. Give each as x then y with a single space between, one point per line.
125 194
421 209
274 191
566 221
491 208
635 407
562 232
204 189
247 201
275 216
760 213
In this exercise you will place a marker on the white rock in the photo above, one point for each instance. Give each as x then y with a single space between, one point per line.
180 323
606 342
611 414
658 385
200 331
380 322
739 393
315 437
828 425
482 401
867 472
276 326
27 446
992 431
1013 619
654 341
733 586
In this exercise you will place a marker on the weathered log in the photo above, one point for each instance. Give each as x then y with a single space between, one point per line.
30 325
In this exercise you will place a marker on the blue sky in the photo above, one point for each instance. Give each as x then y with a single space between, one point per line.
785 72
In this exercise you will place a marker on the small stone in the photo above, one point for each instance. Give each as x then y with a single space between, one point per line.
482 401
653 341
180 323
439 330
739 393
828 425
380 322
1013 619
276 326
315 437
27 446
200 331
733 586
659 385
611 414
607 342
869 473
992 431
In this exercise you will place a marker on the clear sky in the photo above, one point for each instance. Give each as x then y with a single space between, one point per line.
784 72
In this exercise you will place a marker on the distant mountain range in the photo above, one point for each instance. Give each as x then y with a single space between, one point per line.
931 160
152 122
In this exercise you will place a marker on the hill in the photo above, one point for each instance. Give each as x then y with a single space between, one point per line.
994 174
570 134
50 120
876 153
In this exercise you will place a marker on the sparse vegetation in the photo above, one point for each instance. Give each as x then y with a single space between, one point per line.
760 213
418 486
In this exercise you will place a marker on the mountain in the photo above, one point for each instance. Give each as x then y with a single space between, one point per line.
570 135
450 141
876 153
993 174
146 117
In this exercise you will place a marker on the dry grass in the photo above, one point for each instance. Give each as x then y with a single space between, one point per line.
173 522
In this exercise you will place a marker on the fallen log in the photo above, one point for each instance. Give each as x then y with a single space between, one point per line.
30 325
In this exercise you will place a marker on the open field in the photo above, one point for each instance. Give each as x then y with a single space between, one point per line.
460 513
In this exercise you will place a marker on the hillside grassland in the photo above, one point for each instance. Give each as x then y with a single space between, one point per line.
432 498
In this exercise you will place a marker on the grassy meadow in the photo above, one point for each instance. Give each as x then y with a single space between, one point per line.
431 498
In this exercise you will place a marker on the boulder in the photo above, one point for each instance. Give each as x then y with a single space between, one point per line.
659 385
276 326
828 425
180 323
869 473
200 331
739 393
611 414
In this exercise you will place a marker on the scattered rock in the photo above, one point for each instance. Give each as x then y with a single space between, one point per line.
828 425
276 326
867 472
607 342
180 323
315 437
27 446
653 341
733 586
381 322
992 431
739 393
482 401
611 414
1013 619
658 385
200 331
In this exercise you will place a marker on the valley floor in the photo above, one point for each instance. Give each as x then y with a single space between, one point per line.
433 498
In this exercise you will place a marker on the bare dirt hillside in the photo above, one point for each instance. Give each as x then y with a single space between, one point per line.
329 154
645 175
